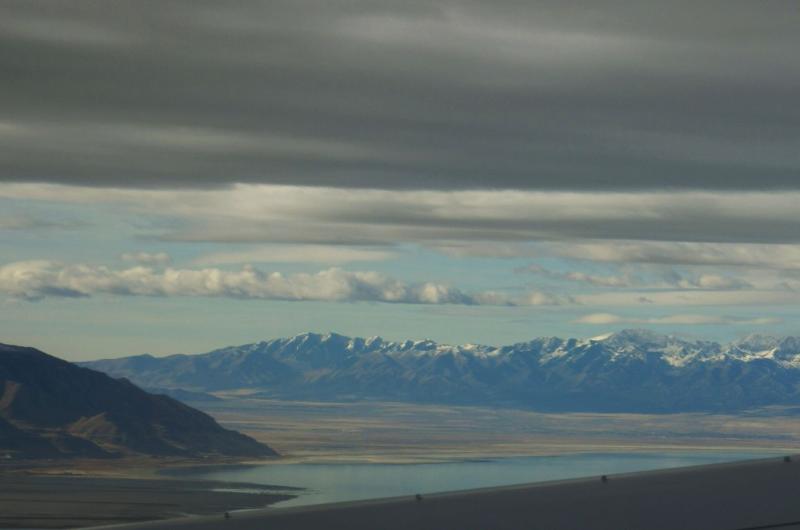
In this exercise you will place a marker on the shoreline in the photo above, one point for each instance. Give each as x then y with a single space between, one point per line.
69 501
392 434
86 496
757 493
155 468
723 496
392 461
72 493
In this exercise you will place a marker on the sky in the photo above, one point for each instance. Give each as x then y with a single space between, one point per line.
184 175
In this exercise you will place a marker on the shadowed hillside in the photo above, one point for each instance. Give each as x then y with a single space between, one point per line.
53 408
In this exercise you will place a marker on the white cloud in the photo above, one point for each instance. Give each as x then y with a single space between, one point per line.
604 319
35 280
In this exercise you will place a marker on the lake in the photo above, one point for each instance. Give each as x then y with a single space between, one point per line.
345 482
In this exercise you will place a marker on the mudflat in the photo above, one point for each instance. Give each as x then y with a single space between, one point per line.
30 501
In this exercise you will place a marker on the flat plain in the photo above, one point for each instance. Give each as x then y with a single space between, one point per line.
402 432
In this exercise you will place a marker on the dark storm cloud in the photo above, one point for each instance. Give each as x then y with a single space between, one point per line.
435 94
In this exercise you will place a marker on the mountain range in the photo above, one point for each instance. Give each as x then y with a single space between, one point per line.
50 408
631 371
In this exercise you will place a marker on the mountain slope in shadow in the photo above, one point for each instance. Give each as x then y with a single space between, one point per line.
52 408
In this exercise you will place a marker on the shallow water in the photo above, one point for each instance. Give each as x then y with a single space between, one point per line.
345 482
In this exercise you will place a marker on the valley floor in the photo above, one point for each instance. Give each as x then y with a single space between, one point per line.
410 433
82 493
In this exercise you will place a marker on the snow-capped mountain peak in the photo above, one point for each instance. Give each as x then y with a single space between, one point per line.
627 370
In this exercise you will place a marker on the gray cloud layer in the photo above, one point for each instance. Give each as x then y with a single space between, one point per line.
284 214
388 94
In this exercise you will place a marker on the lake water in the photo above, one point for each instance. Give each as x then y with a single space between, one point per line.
344 482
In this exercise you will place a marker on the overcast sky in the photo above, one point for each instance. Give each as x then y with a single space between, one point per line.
181 175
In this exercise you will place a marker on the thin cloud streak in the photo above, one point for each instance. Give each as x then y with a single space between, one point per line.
756 255
154 259
296 254
666 279
696 297
606 319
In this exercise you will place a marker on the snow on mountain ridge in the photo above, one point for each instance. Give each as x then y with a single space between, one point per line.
627 371
616 347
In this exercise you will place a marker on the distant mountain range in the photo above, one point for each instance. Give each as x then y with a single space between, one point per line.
52 408
633 370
